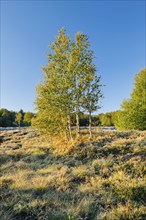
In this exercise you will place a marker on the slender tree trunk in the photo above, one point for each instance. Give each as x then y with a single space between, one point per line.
77 124
19 124
77 120
90 126
66 134
69 128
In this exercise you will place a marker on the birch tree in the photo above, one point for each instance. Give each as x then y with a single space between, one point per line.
18 118
82 59
67 77
91 98
54 99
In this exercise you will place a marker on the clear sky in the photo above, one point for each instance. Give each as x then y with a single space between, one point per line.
116 30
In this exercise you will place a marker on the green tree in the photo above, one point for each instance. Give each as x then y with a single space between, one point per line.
55 97
96 120
114 117
106 119
7 118
91 97
27 118
133 112
67 76
86 84
18 118
80 57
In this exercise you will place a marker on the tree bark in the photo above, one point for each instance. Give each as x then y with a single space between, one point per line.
90 126
19 124
69 128
77 121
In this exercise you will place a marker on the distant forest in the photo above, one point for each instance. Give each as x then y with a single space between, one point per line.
21 118
15 119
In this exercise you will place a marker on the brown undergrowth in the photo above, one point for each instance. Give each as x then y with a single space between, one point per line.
101 179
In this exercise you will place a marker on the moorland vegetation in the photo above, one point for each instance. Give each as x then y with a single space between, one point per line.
100 180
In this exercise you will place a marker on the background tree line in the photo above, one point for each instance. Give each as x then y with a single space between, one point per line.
102 119
15 119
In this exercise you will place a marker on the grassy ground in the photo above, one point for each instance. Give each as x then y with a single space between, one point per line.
102 180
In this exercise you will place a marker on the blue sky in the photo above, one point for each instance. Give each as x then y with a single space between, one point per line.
116 31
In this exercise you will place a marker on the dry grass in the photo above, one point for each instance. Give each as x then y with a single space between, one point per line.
103 179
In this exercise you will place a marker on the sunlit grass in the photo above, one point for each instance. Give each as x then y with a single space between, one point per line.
100 179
